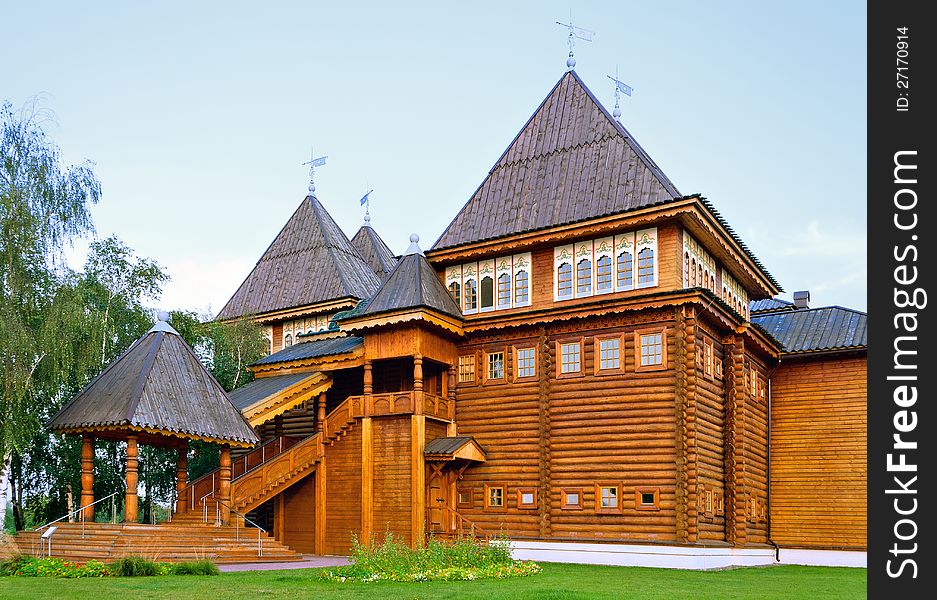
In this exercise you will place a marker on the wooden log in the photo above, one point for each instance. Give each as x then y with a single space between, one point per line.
130 499
87 477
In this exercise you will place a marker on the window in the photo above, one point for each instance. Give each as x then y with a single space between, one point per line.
467 369
504 289
495 363
646 267
464 498
525 362
603 274
564 281
718 369
570 358
521 287
651 350
494 497
647 498
584 277
753 380
572 499
471 295
488 293
527 498
708 358
456 290
607 498
287 340
686 269
608 350
692 272
625 270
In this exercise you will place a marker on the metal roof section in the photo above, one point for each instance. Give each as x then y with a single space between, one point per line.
769 305
313 349
816 329
456 447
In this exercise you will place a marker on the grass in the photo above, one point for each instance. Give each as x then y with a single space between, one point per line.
557 582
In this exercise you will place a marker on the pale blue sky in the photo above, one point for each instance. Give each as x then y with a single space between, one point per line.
199 115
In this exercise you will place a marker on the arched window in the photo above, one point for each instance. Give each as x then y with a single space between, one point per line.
603 274
625 270
712 282
504 289
456 290
564 280
287 340
646 266
705 281
521 287
692 272
471 294
487 292
686 269
584 277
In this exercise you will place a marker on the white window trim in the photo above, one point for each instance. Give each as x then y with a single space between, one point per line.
640 244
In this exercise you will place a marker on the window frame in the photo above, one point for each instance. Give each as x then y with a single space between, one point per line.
611 274
486 354
564 492
597 354
470 503
559 358
504 497
474 380
526 287
521 505
510 291
709 359
516 363
639 503
608 510
473 279
638 367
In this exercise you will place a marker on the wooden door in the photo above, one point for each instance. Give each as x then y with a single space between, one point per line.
437 499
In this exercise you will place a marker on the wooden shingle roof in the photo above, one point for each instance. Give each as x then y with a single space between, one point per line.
310 261
571 161
413 284
157 386
823 329
374 251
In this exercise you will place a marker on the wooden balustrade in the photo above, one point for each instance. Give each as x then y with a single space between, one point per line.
394 403
276 470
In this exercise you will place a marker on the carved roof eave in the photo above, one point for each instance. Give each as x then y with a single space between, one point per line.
419 314
753 335
278 403
172 438
297 312
332 362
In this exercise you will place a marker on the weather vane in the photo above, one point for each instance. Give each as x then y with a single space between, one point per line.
366 203
313 163
574 33
620 88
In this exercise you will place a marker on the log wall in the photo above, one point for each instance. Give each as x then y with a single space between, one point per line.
391 439
299 516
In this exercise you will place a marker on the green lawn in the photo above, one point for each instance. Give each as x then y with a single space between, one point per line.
558 581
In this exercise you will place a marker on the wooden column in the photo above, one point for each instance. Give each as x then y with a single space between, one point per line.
367 480
130 500
320 414
87 476
182 476
224 483
368 386
450 392
418 384
418 480
320 504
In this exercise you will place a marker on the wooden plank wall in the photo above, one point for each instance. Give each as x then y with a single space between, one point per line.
343 491
558 433
710 421
391 483
299 516
818 454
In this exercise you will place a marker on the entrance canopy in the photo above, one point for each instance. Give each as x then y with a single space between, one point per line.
264 398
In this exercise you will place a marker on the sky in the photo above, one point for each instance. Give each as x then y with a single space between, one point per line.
198 117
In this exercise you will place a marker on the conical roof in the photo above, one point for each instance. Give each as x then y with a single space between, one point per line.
157 386
570 162
413 284
310 261
374 251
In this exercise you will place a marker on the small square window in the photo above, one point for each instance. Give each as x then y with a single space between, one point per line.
467 369
607 498
570 358
494 497
572 499
495 365
647 498
650 350
525 362
527 498
464 498
608 354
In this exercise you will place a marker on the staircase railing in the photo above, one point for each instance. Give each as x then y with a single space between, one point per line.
274 470
237 523
474 530
80 510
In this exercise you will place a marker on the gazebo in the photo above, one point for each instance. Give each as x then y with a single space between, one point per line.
156 393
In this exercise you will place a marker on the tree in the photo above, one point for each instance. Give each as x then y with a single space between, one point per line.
43 207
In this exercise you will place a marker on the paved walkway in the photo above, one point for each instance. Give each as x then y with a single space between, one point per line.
309 561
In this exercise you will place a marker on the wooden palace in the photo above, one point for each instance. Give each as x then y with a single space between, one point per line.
586 361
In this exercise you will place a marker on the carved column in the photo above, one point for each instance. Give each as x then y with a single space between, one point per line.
368 386
87 476
224 483
130 500
320 414
418 384
450 392
182 476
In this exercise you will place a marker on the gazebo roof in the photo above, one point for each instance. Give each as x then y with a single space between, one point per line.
157 388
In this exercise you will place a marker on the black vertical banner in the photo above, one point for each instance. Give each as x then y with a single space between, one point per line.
902 264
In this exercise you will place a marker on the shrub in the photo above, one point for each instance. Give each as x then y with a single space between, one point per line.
29 566
12 564
137 566
198 567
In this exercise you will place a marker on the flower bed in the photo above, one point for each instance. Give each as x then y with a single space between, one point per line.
130 566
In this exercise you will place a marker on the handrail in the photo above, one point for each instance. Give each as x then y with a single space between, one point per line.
80 509
237 536
474 528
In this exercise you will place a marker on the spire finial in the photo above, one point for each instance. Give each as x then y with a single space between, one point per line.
313 163
414 247
366 203
574 32
620 87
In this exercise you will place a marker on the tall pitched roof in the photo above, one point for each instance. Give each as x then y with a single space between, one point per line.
374 251
817 329
413 284
160 386
309 261
571 161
